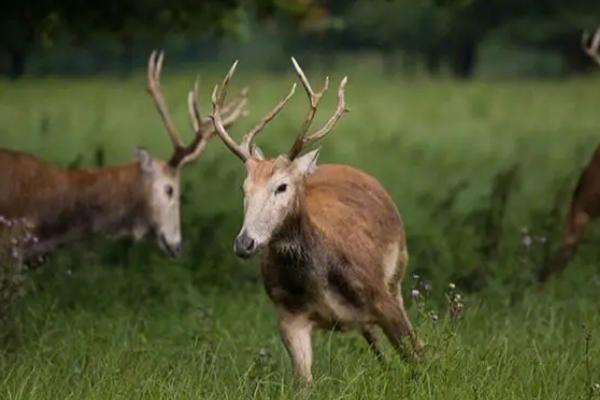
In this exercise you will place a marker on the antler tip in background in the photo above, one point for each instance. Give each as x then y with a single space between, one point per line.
213 97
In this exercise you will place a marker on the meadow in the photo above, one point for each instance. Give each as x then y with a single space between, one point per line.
481 171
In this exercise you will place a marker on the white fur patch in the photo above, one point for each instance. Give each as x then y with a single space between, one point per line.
390 261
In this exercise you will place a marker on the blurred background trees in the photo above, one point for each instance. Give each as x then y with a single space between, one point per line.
458 37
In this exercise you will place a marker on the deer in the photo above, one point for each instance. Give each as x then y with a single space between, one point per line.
332 242
138 199
585 201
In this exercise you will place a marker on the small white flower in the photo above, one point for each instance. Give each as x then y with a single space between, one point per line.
415 293
451 286
262 352
596 387
527 241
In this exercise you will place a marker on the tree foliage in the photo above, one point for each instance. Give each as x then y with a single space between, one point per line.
435 32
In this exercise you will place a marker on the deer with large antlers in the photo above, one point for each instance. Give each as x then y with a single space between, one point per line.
585 204
135 199
332 241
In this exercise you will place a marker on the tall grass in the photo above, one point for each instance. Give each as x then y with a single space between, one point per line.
481 172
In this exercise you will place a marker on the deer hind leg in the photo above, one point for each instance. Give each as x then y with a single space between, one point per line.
577 221
395 289
393 320
295 330
369 332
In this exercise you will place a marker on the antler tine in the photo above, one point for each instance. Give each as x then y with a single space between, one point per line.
233 111
201 137
594 44
195 116
313 99
233 104
203 127
302 140
339 111
251 134
237 110
218 97
154 68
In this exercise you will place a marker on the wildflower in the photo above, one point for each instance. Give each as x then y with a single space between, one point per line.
262 352
416 277
596 387
427 287
434 317
526 241
451 286
415 293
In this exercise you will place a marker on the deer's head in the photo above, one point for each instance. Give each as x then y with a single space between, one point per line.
273 186
161 179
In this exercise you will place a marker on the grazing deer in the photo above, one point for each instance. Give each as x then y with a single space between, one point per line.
333 244
63 205
585 204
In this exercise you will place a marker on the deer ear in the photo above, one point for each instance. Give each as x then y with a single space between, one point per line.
307 164
144 159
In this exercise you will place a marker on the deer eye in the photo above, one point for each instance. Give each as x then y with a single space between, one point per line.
169 191
281 188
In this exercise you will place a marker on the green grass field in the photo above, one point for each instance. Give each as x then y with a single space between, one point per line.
475 169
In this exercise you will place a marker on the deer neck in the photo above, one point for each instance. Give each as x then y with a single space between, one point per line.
296 236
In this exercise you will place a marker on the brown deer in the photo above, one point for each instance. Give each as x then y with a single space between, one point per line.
135 199
585 204
332 241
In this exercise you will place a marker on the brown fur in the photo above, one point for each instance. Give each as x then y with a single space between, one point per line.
324 265
67 205
584 208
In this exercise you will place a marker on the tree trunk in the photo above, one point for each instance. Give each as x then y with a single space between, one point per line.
16 59
464 59
433 61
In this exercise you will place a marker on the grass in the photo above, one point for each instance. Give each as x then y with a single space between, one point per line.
121 321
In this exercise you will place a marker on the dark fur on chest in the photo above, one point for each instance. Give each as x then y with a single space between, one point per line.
299 266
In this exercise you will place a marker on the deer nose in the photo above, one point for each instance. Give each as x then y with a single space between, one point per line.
244 245
173 249
177 249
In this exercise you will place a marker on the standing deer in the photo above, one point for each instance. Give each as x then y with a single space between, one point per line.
63 205
332 241
585 204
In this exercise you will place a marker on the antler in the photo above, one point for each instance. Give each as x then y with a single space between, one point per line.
244 150
302 140
590 45
203 127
